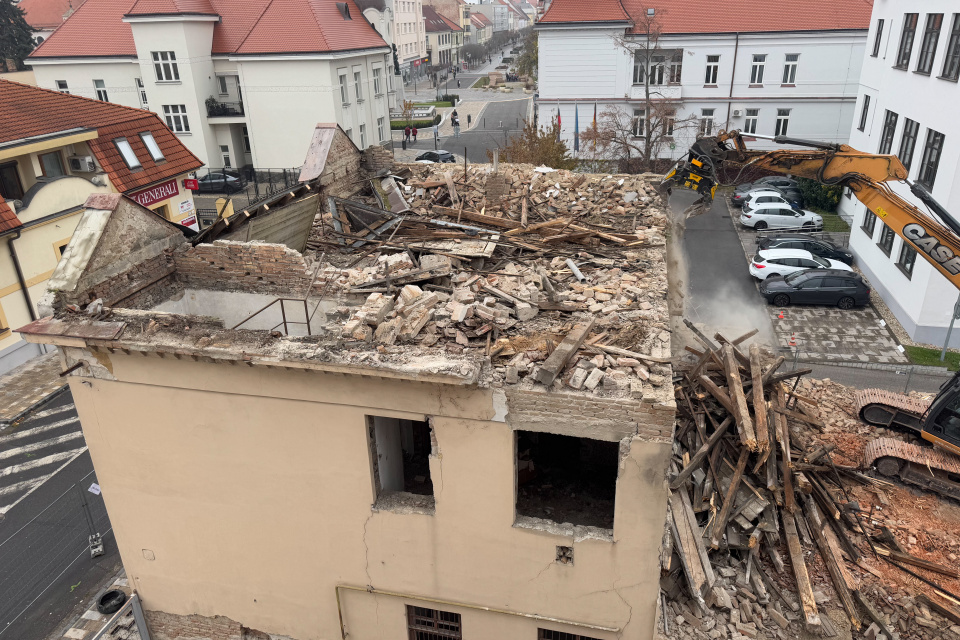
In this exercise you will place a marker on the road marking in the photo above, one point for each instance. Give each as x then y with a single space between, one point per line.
50 412
40 462
16 451
4 510
26 485
47 427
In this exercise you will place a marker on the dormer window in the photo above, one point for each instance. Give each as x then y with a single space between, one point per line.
151 146
344 9
123 146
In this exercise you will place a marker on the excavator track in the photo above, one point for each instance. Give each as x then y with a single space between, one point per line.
890 410
925 467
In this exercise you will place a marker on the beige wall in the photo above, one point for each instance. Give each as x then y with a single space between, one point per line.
252 489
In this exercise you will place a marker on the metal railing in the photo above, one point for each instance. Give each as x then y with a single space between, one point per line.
218 109
131 607
250 183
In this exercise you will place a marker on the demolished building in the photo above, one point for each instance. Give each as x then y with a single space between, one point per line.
452 419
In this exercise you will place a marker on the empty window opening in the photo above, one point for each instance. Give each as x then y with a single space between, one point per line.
432 624
566 479
565 555
402 450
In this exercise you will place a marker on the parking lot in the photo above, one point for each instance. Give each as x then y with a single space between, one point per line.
721 295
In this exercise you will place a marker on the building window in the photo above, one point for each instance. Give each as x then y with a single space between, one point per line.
869 223
176 117
877 37
886 239
908 142
676 67
51 164
656 69
669 119
101 90
713 68
931 158
165 65
246 140
363 136
547 634
358 86
142 92
750 123
639 120
906 40
377 89
349 133
400 451
706 122
889 129
344 96
225 156
10 186
951 62
380 136
864 112
908 256
152 147
928 47
756 71
126 152
62 86
783 120
790 68
432 624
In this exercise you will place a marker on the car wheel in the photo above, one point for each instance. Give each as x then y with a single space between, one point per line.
808 226
760 226
781 300
846 302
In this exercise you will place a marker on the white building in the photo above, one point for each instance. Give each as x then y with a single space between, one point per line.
382 15
497 12
411 39
768 71
239 83
905 107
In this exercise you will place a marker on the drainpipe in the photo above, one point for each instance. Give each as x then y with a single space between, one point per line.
733 74
20 278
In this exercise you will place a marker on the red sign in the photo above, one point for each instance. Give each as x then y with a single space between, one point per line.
191 183
153 195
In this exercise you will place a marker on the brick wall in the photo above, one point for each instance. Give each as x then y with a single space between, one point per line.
167 626
600 418
342 168
377 159
497 188
144 284
234 266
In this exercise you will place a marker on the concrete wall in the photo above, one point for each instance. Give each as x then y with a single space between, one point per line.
247 492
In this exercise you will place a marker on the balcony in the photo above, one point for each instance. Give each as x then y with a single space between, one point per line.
218 109
657 92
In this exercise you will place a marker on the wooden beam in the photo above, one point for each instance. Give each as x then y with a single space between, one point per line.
741 413
553 365
816 525
717 393
686 538
746 336
697 460
906 558
721 524
759 403
804 588
815 422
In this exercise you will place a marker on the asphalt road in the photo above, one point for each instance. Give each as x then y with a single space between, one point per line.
488 133
46 568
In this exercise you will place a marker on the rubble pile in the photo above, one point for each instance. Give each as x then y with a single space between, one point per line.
768 535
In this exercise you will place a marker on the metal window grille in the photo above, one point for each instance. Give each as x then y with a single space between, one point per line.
889 129
928 48
432 624
906 40
548 634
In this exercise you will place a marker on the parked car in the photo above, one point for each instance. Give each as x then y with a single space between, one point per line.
791 194
220 182
780 182
817 286
816 246
756 199
429 157
780 216
783 262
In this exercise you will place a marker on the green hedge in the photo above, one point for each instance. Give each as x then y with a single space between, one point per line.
450 97
419 124
826 197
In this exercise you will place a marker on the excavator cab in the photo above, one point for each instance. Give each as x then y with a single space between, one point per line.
941 424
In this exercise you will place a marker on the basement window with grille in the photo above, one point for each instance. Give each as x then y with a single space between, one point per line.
400 451
432 624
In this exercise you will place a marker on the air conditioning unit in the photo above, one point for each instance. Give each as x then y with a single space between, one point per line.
82 164
737 113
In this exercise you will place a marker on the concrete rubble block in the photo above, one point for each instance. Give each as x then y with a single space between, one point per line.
432 261
395 262
388 331
458 311
410 292
526 311
628 362
512 375
428 299
351 326
489 313
413 324
376 311
778 617
636 389
577 379
594 378
363 332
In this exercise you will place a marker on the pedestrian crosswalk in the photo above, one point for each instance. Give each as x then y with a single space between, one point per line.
36 448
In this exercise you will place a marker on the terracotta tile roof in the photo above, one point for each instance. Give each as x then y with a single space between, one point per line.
8 219
48 14
247 26
724 16
450 23
479 20
433 22
27 111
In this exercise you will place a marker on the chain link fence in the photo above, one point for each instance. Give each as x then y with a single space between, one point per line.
35 556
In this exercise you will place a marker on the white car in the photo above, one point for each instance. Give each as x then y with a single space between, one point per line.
780 216
786 261
763 197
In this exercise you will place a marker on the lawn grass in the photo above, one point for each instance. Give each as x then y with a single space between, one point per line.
831 220
481 83
931 357
438 105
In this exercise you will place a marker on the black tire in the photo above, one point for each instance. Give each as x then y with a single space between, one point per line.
808 226
846 302
781 300
110 602
760 226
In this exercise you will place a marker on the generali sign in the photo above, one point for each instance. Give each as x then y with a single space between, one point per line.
153 195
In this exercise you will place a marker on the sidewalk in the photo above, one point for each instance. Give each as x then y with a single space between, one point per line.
28 385
92 621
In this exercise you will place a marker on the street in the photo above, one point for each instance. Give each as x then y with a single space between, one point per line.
498 121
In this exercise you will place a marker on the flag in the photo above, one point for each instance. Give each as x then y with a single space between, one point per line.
594 116
559 125
576 127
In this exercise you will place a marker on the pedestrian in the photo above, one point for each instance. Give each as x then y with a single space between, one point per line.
414 132
406 133
454 114
458 84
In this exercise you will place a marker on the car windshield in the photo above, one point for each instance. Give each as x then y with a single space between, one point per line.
822 261
795 277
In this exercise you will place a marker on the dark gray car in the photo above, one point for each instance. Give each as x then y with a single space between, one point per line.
817 247
844 289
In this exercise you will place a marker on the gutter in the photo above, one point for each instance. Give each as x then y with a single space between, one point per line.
20 278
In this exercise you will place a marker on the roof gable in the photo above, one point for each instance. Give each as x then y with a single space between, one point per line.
48 14
8 219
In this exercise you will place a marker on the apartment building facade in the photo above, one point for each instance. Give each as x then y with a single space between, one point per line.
907 88
230 80
787 72
444 39
497 12
55 150
411 39
382 15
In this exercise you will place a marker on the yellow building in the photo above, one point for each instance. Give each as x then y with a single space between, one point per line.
55 150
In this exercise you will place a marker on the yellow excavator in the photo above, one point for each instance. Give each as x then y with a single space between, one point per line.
935 236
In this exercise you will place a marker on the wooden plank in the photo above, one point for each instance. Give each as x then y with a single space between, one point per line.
686 546
759 403
707 342
741 414
717 393
951 614
746 336
906 558
872 613
697 460
834 562
721 523
815 422
789 503
804 588
701 549
553 365
540 225
473 216
632 354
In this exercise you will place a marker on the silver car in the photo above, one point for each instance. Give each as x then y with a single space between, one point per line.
772 215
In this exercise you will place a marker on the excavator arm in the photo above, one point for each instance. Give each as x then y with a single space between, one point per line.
865 174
